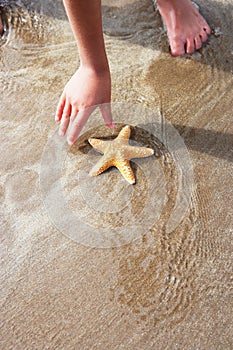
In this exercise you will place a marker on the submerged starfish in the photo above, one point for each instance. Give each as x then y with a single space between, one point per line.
118 153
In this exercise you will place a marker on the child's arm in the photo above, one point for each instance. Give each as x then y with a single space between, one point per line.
91 84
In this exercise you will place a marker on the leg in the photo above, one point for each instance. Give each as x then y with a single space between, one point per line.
3 4
187 29
1 24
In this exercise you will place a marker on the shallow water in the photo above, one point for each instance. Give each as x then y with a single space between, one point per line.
163 290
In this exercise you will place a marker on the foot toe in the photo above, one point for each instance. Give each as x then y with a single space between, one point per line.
190 48
197 41
203 35
177 47
207 29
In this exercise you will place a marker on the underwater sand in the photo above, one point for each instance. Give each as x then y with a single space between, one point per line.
163 290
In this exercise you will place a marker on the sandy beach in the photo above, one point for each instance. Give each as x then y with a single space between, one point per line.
162 290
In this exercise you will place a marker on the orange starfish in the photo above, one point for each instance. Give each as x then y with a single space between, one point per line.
118 153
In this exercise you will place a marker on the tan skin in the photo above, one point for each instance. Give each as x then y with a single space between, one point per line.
91 83
1 27
187 30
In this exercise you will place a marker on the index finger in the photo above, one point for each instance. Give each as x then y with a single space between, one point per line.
106 112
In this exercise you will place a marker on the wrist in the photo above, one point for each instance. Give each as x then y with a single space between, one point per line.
98 66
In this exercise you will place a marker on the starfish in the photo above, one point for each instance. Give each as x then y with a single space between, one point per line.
118 153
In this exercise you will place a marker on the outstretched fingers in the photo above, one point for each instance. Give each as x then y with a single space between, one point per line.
65 119
60 107
78 124
74 113
73 120
106 112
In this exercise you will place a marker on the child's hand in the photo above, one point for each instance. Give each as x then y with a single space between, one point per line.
85 89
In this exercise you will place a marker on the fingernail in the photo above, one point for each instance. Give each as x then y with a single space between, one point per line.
56 118
61 132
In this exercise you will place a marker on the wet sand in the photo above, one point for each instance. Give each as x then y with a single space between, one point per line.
164 290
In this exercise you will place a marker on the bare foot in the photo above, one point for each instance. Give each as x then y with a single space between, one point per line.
186 28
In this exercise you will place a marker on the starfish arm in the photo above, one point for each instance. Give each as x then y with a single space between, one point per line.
123 165
139 152
97 144
124 134
118 153
103 164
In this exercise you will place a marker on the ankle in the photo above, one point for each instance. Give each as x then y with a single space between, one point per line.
170 3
